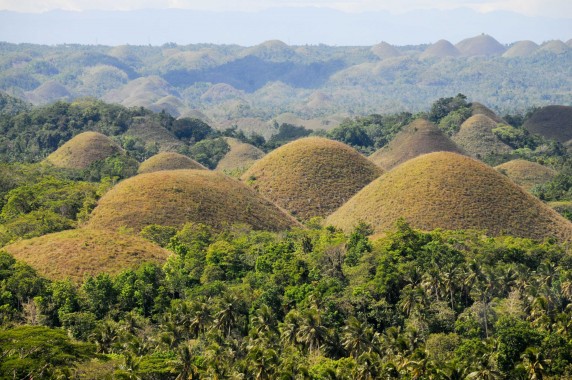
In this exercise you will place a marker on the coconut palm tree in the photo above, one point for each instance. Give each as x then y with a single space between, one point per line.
312 333
534 363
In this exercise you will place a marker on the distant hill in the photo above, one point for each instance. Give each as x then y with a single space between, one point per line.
440 49
83 150
481 45
175 197
311 176
76 254
450 191
521 49
552 122
168 161
476 137
525 173
152 132
383 50
480 109
240 157
420 137
554 47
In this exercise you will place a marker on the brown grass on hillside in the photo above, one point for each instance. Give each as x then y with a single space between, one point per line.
521 49
525 173
311 176
480 45
440 49
176 197
480 109
83 150
554 47
562 207
77 253
168 161
476 137
383 50
240 157
419 137
553 122
450 191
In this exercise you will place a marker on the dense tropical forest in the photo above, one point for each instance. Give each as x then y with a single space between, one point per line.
231 300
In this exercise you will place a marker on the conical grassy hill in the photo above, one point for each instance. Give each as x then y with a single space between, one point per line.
383 50
440 49
311 176
419 137
521 49
450 191
83 150
77 253
240 157
175 197
480 109
476 137
480 46
552 122
168 161
525 173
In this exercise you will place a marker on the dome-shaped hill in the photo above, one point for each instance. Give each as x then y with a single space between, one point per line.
49 92
419 137
440 49
168 161
272 50
554 47
83 150
450 191
480 109
311 176
240 157
552 122
143 91
480 45
521 49
525 173
221 92
476 137
384 50
78 253
176 197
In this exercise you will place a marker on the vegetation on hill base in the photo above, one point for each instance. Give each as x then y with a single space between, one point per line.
525 173
419 137
175 197
309 303
311 176
168 161
564 208
450 191
79 253
477 138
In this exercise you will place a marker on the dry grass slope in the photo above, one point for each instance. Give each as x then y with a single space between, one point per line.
525 173
175 197
383 50
168 161
83 150
311 176
554 47
77 253
477 139
521 49
440 49
152 132
480 45
553 122
240 157
450 191
419 137
480 109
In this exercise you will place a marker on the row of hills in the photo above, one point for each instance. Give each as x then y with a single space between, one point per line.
312 85
424 175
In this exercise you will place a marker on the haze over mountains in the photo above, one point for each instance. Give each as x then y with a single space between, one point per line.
292 25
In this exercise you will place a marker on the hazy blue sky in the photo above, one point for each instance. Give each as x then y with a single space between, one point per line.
550 8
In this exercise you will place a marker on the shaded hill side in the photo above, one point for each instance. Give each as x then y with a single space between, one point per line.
240 157
176 197
552 122
476 137
311 176
525 173
450 191
152 132
419 137
521 49
83 150
480 109
168 161
85 252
